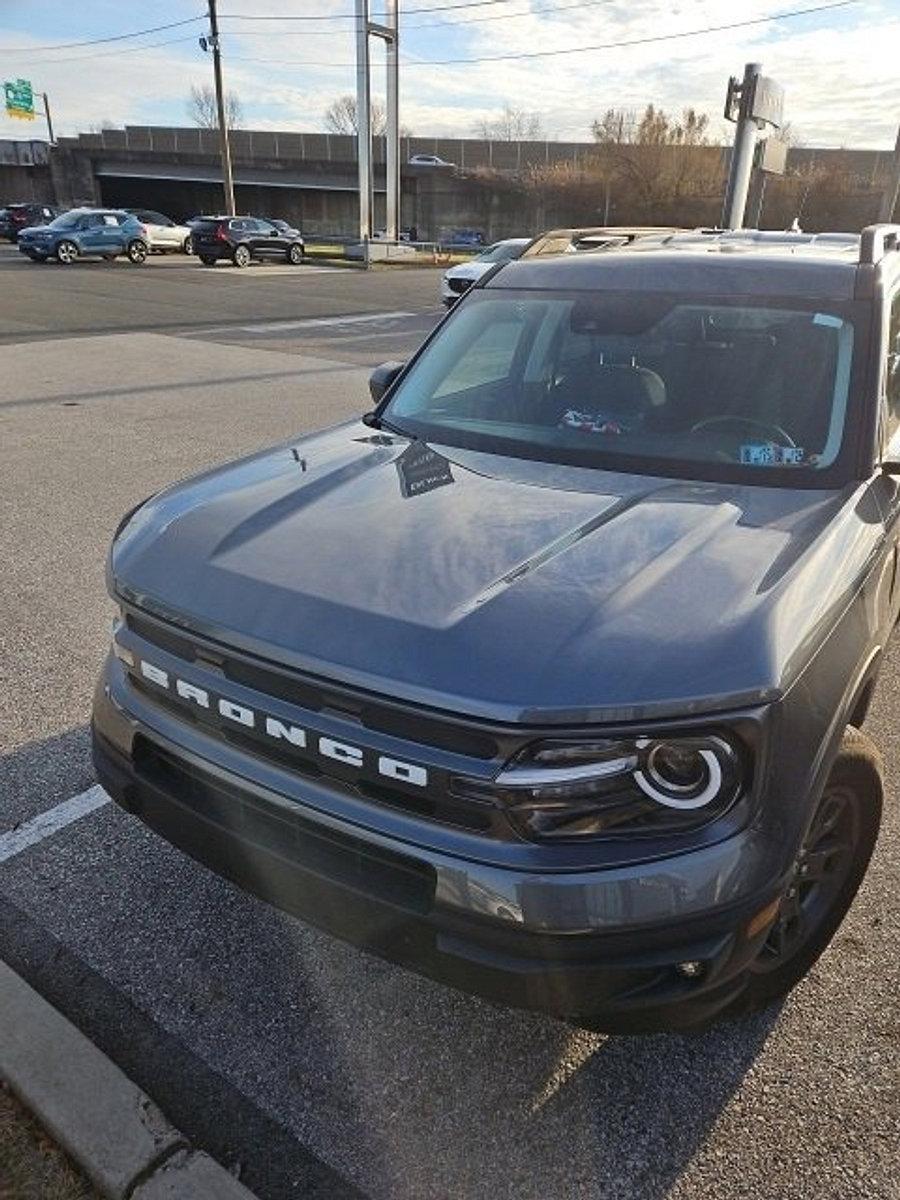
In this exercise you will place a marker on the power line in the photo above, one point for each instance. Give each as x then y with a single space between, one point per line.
410 28
117 37
441 8
48 62
662 37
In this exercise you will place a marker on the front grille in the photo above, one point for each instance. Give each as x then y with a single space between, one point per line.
383 716
435 804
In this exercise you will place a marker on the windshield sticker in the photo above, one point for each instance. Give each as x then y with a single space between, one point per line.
770 454
827 319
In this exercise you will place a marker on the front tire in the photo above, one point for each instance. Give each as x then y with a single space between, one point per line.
828 871
295 254
136 252
241 256
66 253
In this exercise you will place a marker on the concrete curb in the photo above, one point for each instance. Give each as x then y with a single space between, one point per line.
113 1130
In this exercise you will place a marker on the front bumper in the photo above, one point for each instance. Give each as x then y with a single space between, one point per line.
598 947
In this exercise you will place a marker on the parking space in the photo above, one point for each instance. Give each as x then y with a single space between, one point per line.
312 1068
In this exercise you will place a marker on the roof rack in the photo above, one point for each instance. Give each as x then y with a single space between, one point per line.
877 241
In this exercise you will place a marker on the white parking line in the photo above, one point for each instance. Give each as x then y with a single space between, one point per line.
45 824
324 322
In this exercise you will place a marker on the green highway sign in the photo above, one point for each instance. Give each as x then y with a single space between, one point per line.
19 99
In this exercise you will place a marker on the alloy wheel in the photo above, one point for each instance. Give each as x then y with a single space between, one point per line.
820 870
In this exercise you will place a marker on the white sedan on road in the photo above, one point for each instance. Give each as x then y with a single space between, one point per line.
458 280
163 233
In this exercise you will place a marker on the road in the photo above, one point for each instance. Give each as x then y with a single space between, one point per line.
314 1069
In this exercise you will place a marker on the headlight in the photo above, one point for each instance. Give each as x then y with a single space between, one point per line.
559 790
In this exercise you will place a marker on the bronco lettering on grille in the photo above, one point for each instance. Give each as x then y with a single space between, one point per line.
240 714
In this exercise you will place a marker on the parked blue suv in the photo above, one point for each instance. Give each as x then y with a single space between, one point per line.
87 232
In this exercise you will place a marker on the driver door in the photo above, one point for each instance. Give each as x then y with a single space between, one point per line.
91 233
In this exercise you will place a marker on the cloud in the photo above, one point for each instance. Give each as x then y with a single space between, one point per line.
838 67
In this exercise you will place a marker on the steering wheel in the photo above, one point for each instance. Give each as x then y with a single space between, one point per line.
750 423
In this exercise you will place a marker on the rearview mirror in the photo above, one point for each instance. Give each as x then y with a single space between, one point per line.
382 378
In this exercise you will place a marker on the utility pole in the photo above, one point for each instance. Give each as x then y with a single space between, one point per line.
50 137
892 191
224 147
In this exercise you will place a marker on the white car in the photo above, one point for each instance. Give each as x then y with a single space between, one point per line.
163 234
428 160
457 280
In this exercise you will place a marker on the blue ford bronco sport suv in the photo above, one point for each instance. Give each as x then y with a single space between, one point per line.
545 678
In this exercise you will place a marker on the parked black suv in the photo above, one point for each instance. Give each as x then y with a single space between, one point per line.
16 217
241 239
546 677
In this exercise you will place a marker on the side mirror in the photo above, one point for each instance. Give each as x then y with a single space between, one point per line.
382 378
890 466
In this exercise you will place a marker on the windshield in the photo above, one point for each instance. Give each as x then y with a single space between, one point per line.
67 221
696 387
500 252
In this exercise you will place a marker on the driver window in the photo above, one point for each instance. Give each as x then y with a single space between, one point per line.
892 370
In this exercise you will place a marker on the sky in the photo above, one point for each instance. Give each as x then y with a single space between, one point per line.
838 65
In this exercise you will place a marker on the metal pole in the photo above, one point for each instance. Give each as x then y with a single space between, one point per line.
363 125
392 133
742 154
224 146
49 119
892 191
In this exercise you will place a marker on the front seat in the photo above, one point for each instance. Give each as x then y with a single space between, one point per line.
620 392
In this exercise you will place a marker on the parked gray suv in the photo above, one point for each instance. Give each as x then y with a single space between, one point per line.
546 677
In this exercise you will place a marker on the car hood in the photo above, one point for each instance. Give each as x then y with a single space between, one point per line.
498 587
471 270
34 230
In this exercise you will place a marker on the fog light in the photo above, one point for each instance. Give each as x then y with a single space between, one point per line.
692 969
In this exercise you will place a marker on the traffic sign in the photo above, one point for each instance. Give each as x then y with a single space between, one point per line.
19 99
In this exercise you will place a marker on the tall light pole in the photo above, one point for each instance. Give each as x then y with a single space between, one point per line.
212 43
392 146
364 125
742 154
389 33
756 102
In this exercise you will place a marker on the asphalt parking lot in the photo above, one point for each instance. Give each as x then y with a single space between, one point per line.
311 1068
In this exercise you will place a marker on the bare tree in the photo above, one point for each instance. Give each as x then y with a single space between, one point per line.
621 127
341 117
512 125
202 109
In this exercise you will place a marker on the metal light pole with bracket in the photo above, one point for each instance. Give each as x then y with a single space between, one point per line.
756 102
389 33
